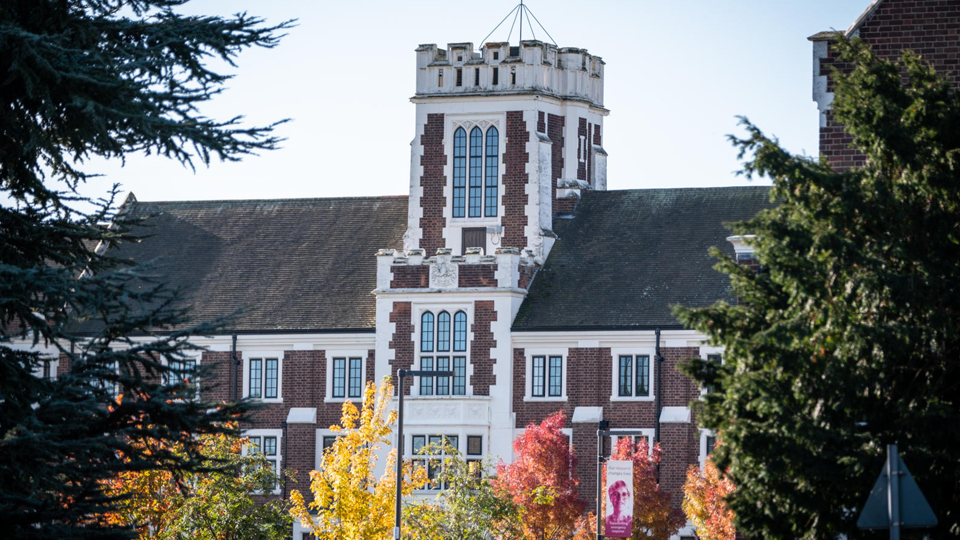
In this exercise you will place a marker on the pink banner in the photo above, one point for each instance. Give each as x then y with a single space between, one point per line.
619 514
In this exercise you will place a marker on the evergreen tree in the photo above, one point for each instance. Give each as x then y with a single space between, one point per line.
848 339
83 79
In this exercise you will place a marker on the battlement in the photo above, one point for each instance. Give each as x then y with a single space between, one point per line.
411 269
533 67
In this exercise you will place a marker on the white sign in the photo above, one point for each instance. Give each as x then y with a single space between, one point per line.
619 516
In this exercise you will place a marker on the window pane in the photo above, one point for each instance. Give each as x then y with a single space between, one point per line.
356 378
273 368
443 332
433 472
460 332
643 375
474 445
269 446
443 383
476 167
626 375
426 383
492 177
426 332
711 443
453 441
254 447
556 376
436 440
537 388
339 376
255 377
459 172
460 375
419 441
329 440
189 366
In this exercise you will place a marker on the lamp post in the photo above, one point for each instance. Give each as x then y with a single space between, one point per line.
401 373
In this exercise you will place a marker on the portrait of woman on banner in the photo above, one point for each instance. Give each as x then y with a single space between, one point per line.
619 519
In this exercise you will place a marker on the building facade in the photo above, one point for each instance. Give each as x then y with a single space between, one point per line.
508 262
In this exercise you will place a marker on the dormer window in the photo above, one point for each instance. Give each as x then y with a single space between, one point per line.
496 55
484 173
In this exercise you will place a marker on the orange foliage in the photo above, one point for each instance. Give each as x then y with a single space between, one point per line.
543 481
704 502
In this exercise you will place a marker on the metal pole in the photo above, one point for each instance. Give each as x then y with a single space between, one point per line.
396 525
603 425
893 493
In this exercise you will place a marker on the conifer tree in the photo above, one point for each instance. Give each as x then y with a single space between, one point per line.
849 337
84 79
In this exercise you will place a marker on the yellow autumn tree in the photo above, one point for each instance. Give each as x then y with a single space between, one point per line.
704 502
349 503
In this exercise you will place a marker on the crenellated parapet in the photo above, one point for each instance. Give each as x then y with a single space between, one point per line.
412 270
533 67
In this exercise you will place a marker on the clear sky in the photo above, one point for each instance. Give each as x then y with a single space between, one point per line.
678 72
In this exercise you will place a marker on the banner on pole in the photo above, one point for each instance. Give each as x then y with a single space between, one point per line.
619 515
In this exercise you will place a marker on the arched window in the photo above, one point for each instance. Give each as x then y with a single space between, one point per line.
460 332
459 172
476 168
443 332
426 332
492 176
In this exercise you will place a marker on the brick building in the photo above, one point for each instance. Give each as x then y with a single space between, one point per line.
508 262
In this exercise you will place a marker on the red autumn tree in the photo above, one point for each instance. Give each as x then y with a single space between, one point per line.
543 482
704 502
653 516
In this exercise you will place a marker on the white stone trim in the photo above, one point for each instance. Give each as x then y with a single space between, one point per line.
675 415
328 382
546 352
615 353
249 354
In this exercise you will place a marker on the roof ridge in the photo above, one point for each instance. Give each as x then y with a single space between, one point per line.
283 200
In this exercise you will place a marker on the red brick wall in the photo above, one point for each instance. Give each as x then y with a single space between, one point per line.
589 384
515 179
433 181
63 366
526 276
928 27
217 385
555 132
680 442
483 378
477 275
410 277
402 343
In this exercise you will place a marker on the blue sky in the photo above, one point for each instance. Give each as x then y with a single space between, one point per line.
677 75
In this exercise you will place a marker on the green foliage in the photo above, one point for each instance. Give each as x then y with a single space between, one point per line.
468 508
203 506
87 78
848 339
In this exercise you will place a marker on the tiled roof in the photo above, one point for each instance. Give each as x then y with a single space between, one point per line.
629 256
287 265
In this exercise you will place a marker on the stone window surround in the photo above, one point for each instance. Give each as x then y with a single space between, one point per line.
452 308
615 353
278 433
263 354
330 354
547 352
